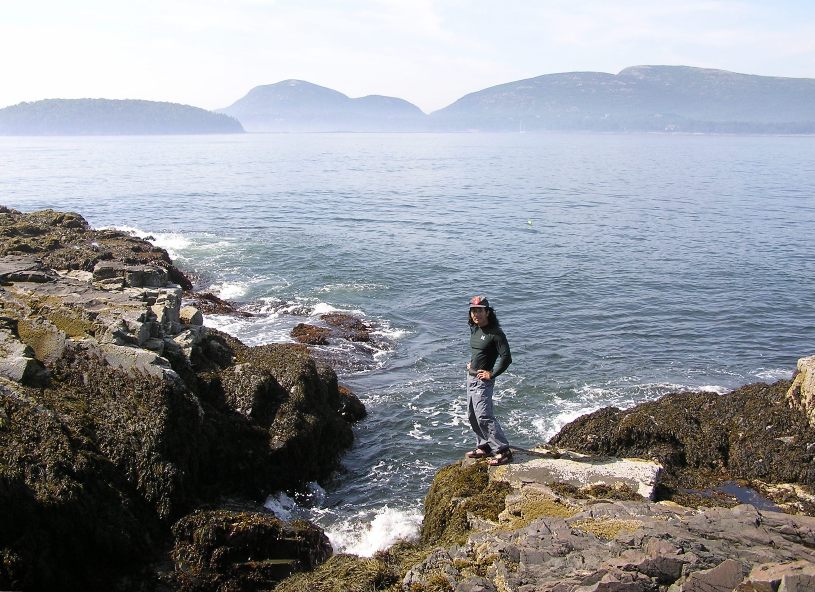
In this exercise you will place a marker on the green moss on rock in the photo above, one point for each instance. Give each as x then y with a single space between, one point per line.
458 490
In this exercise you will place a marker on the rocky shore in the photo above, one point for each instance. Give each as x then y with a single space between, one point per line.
137 446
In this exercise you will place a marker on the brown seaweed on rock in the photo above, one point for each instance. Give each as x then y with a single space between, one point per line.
138 416
703 439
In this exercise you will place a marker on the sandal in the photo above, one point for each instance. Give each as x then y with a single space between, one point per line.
477 453
502 458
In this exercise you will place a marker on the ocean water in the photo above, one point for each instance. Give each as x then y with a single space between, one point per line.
622 267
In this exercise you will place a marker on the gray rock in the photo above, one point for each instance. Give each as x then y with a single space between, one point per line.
542 465
17 360
722 578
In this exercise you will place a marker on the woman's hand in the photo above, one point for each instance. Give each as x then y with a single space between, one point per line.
483 374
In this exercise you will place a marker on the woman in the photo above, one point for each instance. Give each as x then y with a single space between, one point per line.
489 357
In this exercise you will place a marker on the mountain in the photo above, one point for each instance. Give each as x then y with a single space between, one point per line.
72 117
299 106
640 98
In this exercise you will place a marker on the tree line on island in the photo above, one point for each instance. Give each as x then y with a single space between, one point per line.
638 99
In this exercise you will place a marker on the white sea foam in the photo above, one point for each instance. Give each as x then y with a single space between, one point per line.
282 505
351 287
774 374
364 536
172 242
713 388
229 290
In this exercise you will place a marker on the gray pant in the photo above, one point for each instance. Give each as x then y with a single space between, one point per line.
488 432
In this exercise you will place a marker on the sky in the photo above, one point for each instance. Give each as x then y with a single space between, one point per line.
210 53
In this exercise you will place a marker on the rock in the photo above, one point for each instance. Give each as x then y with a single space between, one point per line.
210 304
17 360
795 576
310 335
705 439
539 466
229 550
722 578
22 268
347 326
801 393
137 419
189 315
351 408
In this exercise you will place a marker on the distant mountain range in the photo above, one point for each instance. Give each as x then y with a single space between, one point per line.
74 117
641 98
299 106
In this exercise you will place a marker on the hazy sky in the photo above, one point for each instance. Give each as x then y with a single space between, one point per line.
209 53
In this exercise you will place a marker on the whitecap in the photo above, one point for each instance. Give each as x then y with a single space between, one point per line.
359 536
172 242
712 388
229 290
774 374
282 505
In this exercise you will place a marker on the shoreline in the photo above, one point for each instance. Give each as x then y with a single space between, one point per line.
128 398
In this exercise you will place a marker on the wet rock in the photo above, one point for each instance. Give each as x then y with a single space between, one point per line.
310 335
704 439
229 550
210 304
347 326
351 408
139 418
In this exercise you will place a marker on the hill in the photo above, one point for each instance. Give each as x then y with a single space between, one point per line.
299 106
71 117
640 98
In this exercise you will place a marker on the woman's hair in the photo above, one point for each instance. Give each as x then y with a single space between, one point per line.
491 317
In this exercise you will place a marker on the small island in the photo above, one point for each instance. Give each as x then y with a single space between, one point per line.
106 117
135 444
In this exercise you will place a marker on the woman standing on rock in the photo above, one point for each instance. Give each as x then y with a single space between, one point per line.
489 357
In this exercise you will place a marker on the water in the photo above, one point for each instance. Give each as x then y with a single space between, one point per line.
622 267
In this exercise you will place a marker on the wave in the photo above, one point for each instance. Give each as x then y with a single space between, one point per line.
364 534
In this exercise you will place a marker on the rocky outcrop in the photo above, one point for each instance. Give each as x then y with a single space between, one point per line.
555 520
242 550
801 394
337 326
120 414
703 439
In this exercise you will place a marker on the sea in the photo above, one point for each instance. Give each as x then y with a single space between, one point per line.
621 266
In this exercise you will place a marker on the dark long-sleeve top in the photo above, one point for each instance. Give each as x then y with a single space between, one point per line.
489 349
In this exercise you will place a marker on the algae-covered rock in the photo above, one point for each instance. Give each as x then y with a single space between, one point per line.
459 490
64 240
140 415
702 439
69 519
242 550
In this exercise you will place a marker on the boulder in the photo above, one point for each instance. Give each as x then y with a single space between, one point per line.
310 335
705 439
138 419
347 326
542 465
801 393
243 550
189 315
